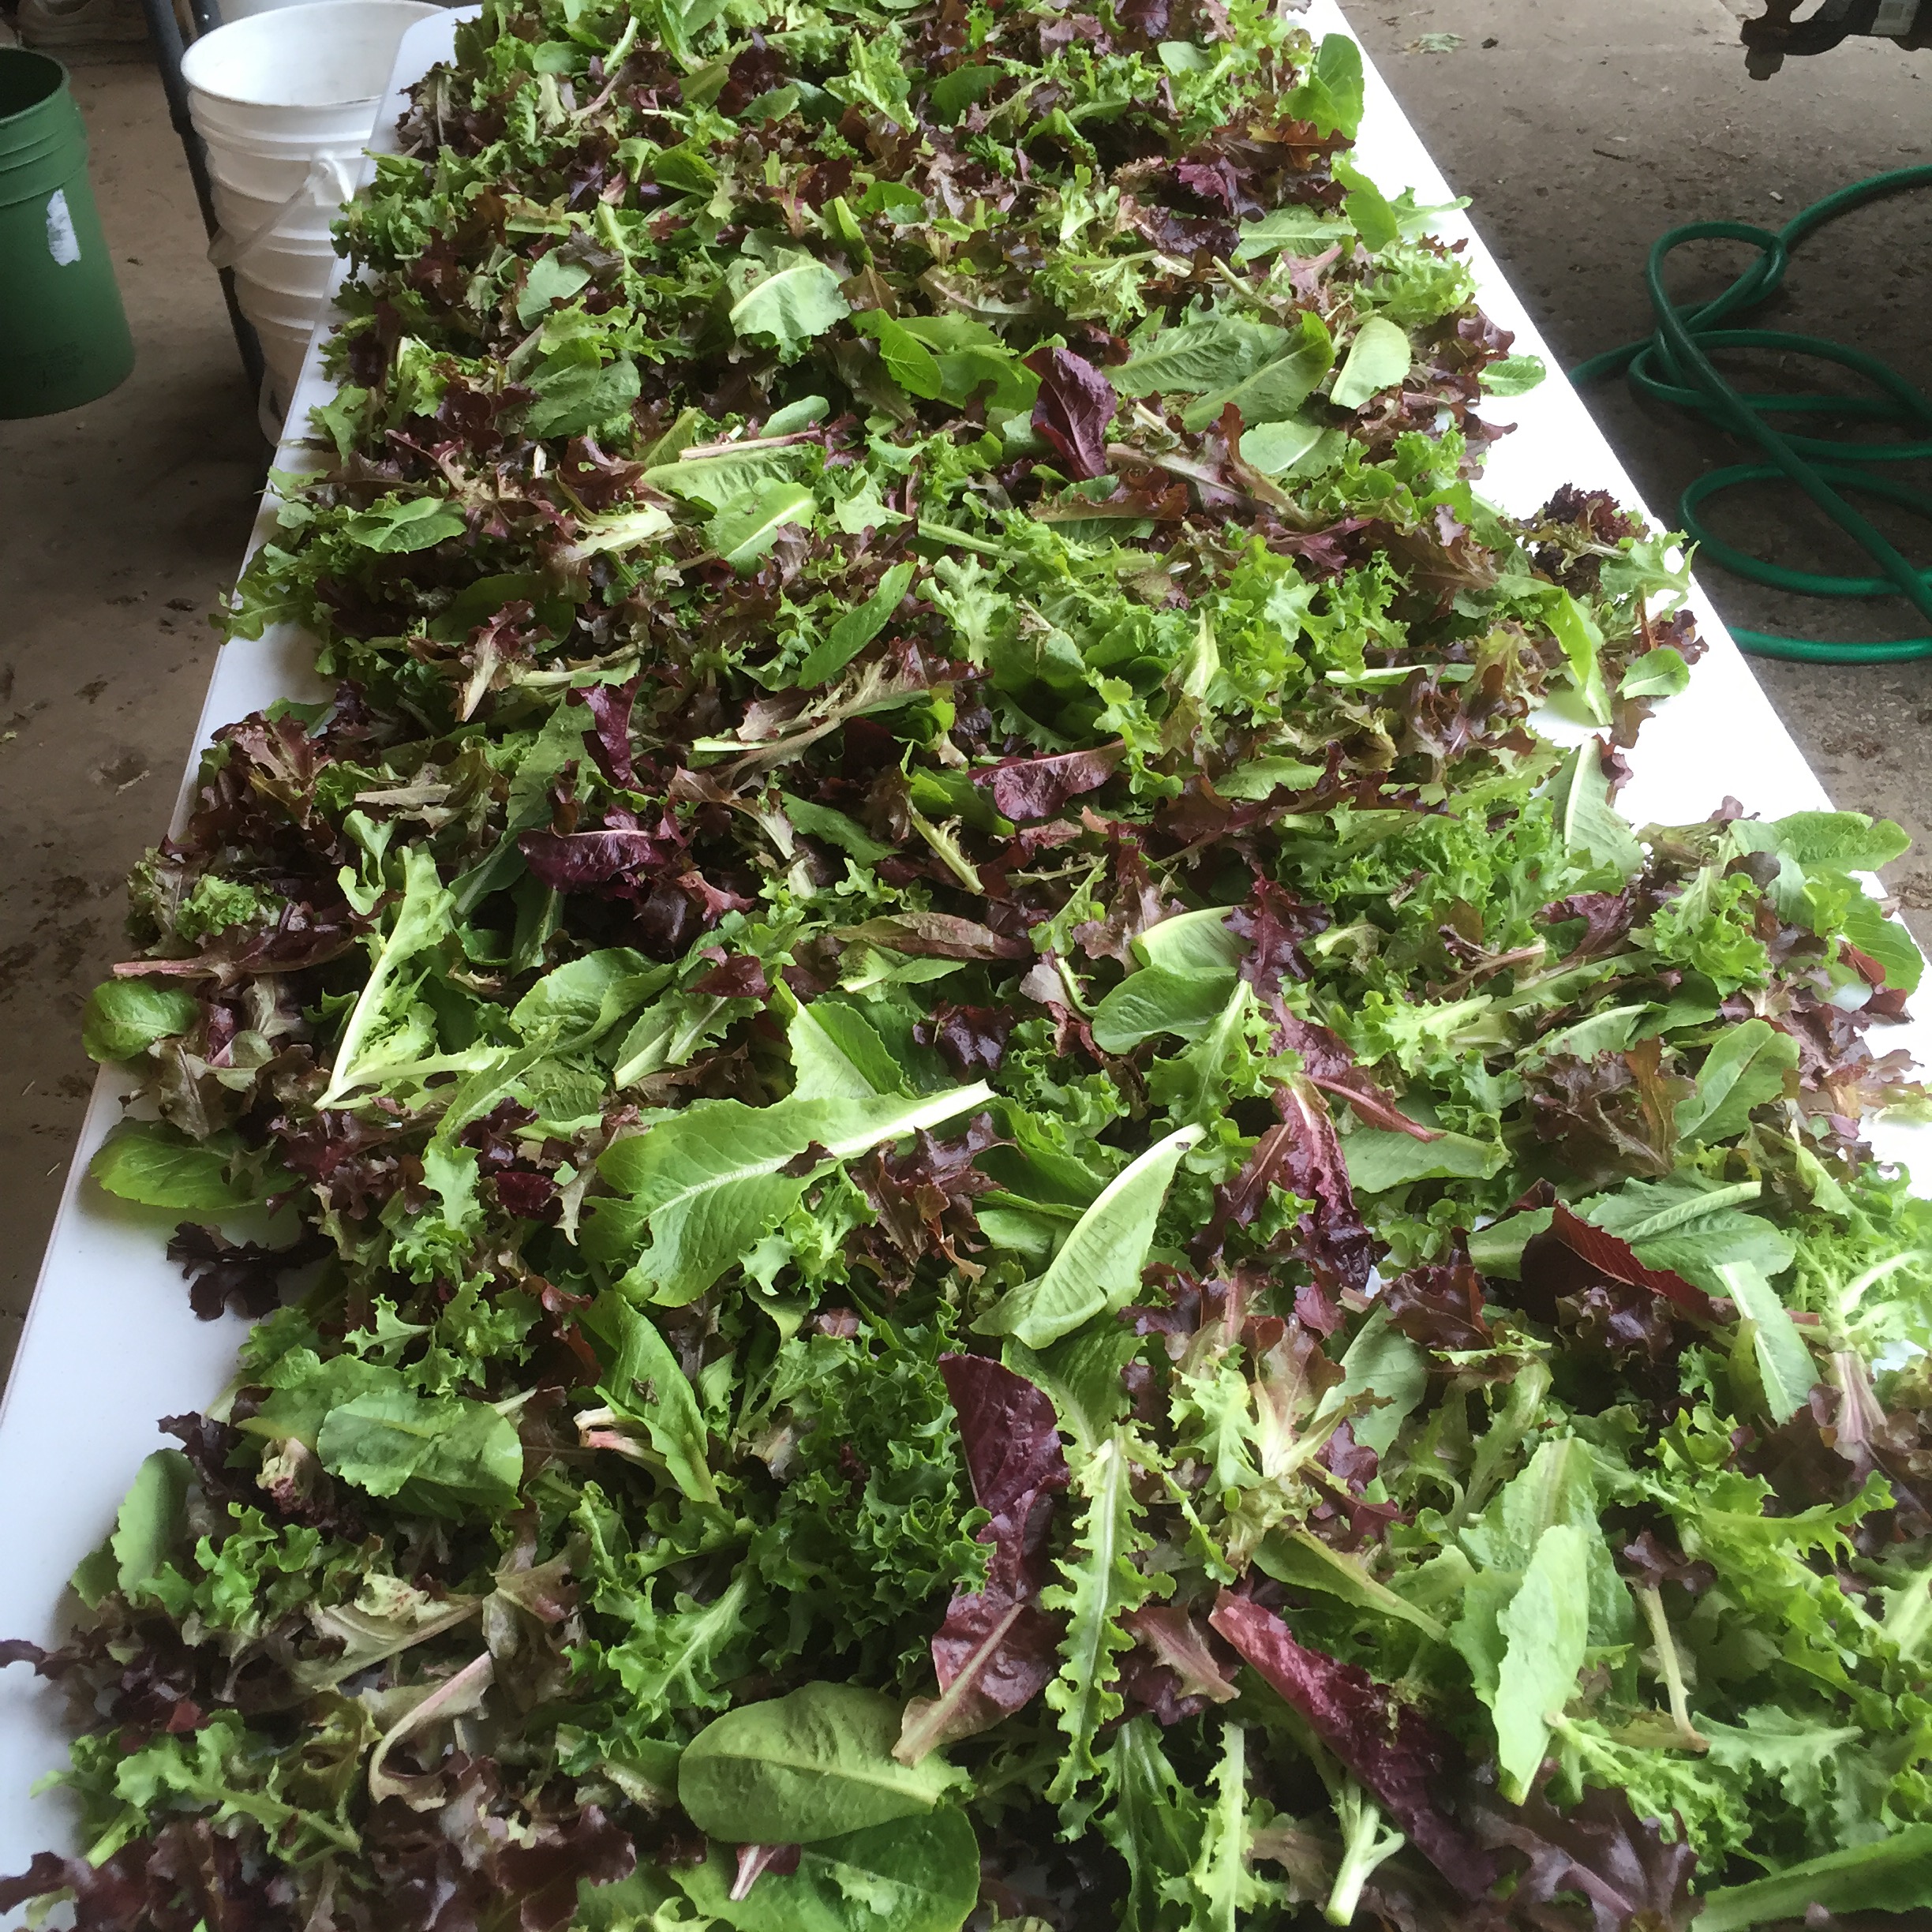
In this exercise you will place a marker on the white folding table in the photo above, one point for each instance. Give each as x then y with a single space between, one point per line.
110 1344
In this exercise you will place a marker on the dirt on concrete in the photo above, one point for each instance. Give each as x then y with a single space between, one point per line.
1581 130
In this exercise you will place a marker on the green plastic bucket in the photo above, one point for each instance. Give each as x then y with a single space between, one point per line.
64 336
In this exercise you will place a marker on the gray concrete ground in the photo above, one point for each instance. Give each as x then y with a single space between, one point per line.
1581 131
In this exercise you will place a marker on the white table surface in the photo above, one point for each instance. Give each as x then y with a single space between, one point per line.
110 1344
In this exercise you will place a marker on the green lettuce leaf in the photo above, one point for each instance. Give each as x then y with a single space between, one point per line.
1099 1583
911 1874
815 1764
707 1184
1378 358
436 1456
797 298
1099 1267
124 1017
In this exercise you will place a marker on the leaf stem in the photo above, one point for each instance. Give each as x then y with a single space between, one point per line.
963 540
1365 1845
1671 1667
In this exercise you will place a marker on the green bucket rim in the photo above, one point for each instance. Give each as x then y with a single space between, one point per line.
17 57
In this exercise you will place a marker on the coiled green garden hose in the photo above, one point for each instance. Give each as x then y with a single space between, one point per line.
1673 366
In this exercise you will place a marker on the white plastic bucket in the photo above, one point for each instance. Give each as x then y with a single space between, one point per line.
285 100
284 243
233 10
301 70
308 219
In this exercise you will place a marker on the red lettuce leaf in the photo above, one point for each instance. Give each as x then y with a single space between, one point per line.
1607 917
543 1876
1026 788
754 1860
305 934
1172 1669
995 1653
1135 903
739 977
939 935
1654 1563
1011 1434
1630 1878
1398 1755
997 1650
1275 922
1571 1251
1611 1116
576 861
1440 1305
923 1197
609 741
599 481
1331 1064
246 1276
355 1165
1827 1451
187 1873
1301 1156
1073 411
971 1040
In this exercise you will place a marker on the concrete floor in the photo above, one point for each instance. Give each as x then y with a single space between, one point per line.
1581 130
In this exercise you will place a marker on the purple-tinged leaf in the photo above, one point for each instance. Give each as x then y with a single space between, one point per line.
1026 788
995 1653
939 935
303 935
1607 917
1011 1434
997 1650
1135 904
1073 411
544 1875
573 861
1654 1563
1628 1874
1301 1156
1610 1116
1275 922
1330 1063
971 1040
923 1197
609 741
755 1860
1439 1304
243 1276
527 1195
1180 1645
1396 1752
739 977
1571 1251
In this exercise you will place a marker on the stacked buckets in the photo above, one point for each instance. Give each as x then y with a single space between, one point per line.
285 101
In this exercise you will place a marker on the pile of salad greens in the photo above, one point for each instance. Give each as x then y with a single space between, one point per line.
993 1203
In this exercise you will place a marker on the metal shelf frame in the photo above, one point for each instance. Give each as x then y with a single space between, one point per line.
164 30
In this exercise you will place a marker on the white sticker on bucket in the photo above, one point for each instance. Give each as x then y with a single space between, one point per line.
63 244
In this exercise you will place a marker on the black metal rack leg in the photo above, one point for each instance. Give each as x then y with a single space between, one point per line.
165 32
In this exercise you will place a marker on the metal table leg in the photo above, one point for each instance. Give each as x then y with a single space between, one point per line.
164 30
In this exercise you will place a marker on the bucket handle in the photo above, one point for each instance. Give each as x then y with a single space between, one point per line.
327 172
